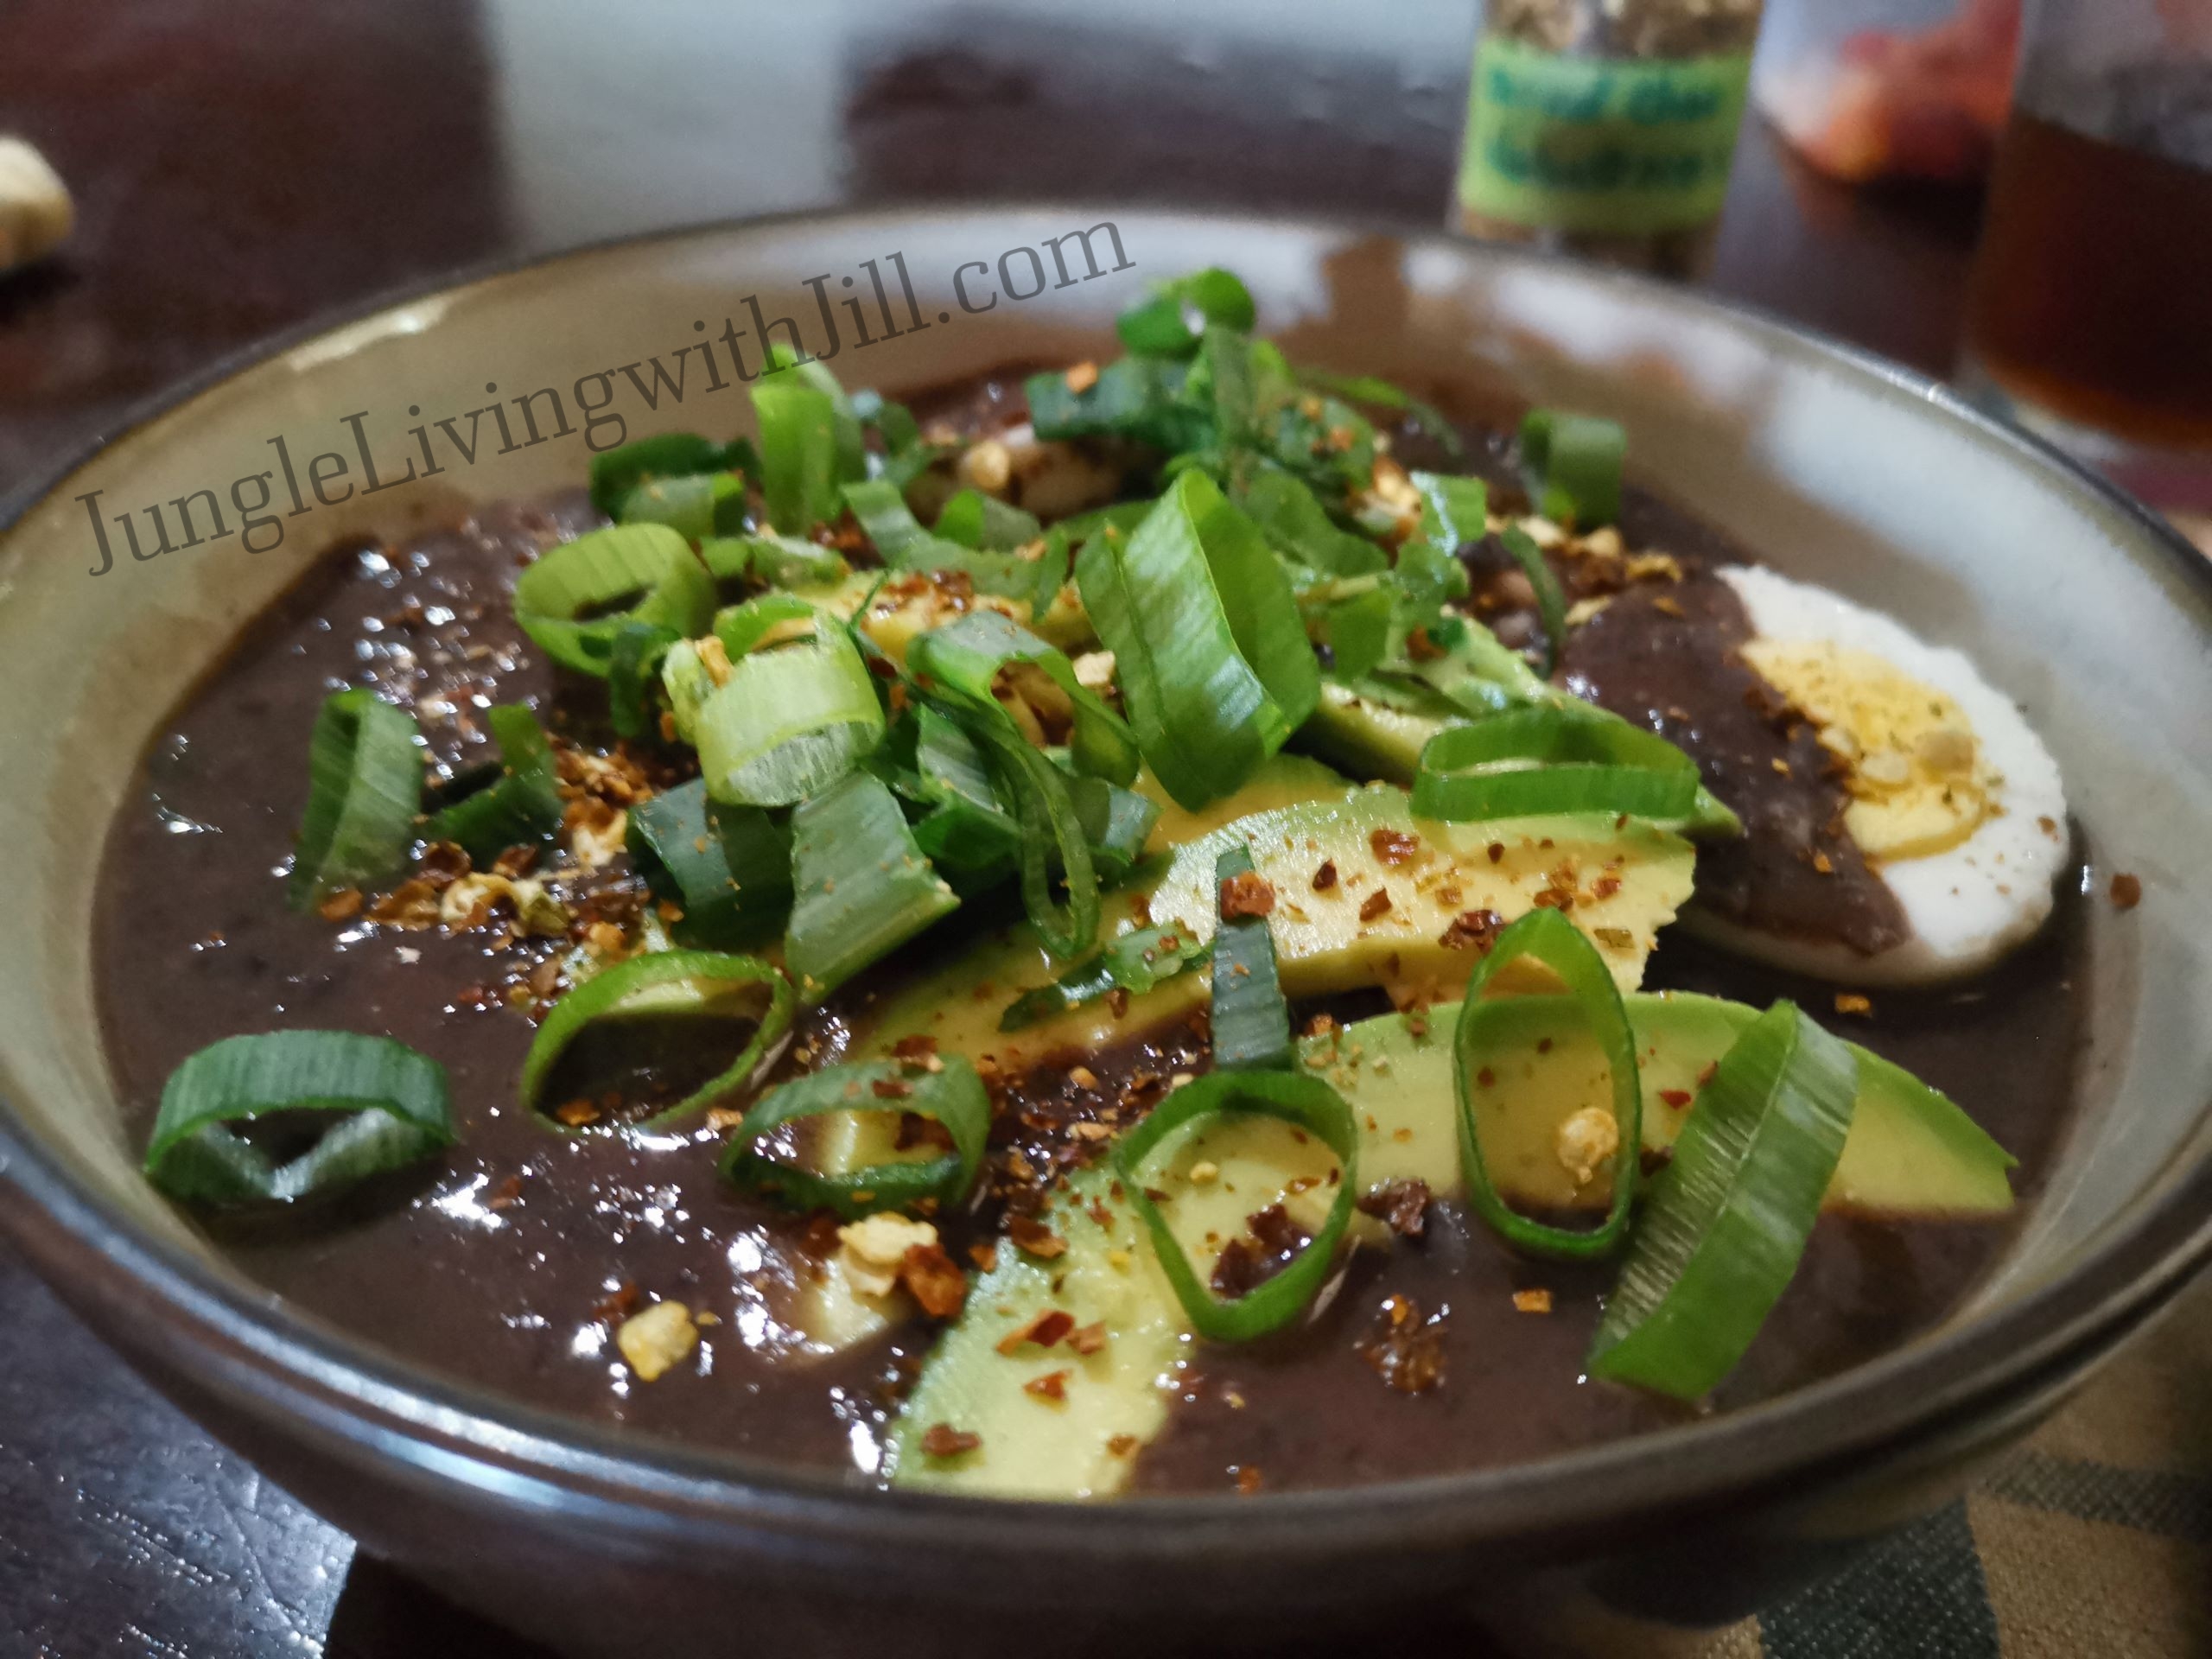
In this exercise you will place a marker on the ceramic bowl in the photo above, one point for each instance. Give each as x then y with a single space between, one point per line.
1857 474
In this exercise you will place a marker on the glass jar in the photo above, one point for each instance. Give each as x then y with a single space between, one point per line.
2089 314
1606 127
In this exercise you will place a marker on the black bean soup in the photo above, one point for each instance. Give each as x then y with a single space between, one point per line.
511 1262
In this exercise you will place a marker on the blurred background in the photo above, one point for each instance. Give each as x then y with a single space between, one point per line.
236 167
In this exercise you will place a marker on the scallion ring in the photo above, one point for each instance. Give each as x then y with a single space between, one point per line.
1551 759
561 600
1547 937
1574 463
1297 1098
633 665
1728 1220
695 976
788 722
365 787
1551 603
953 1094
387 1105
521 806
1250 1020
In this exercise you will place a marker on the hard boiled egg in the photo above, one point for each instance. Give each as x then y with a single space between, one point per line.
1953 801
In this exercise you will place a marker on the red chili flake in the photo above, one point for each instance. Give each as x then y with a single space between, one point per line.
1088 1339
891 1088
1326 877
933 1280
1117 1002
1676 1098
1033 1237
1472 929
944 1440
1405 1351
2126 892
1053 1385
1485 1076
985 1256
509 1193
1248 1479
1045 1330
1422 648
918 1046
1374 904
1122 1444
1605 886
1246 895
1497 852
1393 847
1404 1204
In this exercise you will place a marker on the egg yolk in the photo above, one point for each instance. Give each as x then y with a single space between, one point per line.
1917 779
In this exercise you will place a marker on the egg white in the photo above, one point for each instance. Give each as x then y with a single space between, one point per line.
1968 905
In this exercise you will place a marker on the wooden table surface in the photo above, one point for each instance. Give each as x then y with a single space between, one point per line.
242 165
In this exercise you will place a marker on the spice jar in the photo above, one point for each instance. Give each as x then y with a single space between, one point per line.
1606 127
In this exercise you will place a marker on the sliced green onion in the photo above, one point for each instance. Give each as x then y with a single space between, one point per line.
952 1096
729 868
688 681
1141 398
971 828
634 670
1547 937
849 436
788 722
561 598
1359 632
779 560
387 1106
1047 813
905 545
894 423
667 454
798 453
742 627
1551 604
1134 962
364 786
1574 463
968 656
862 886
977 520
1116 823
1297 1098
1171 322
1729 1217
1215 666
708 975
1299 527
1251 1021
693 505
522 807
1368 389
1567 756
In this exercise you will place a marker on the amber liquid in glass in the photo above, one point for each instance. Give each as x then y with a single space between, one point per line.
2092 296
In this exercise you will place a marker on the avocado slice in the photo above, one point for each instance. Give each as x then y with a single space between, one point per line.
1910 1152
1626 883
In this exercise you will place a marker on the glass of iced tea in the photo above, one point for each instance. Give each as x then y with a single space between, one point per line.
2090 317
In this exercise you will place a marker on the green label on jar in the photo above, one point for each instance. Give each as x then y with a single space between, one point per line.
1618 146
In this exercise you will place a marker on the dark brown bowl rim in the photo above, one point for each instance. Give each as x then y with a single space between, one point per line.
245 1344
